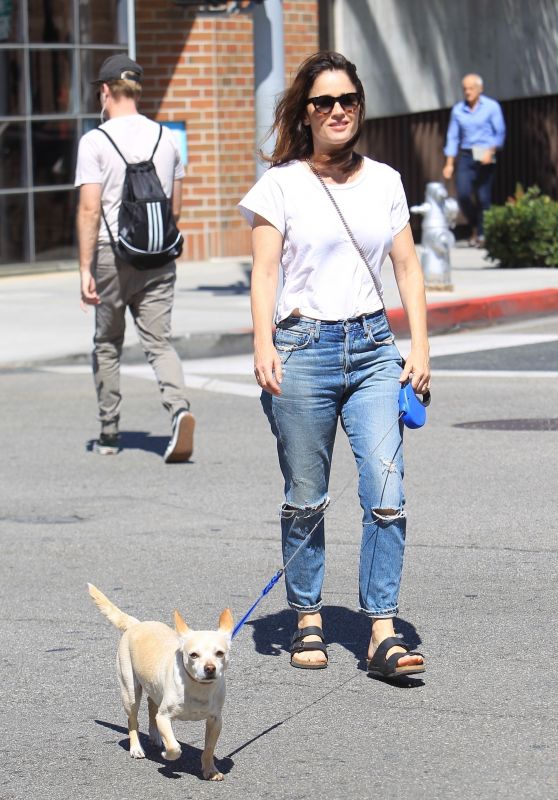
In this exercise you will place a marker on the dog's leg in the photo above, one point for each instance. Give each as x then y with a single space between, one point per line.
131 708
154 735
172 749
130 689
212 730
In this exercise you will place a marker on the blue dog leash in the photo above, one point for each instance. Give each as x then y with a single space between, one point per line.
413 413
265 591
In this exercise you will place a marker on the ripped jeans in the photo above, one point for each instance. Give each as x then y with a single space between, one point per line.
346 369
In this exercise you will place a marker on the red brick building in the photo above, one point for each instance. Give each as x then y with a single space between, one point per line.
199 69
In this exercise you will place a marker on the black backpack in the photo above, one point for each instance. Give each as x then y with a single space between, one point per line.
147 233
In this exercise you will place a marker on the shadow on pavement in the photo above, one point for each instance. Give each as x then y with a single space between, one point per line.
238 288
350 629
189 762
138 440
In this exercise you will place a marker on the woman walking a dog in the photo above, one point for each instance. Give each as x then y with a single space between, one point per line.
315 211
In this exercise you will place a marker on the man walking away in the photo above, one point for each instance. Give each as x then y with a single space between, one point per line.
476 131
113 284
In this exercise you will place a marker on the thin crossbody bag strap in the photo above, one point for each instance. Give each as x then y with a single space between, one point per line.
356 245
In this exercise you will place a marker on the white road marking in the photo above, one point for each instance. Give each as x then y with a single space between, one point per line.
493 373
205 373
203 382
192 381
456 343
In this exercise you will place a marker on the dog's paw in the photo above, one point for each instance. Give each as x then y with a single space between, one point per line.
172 755
155 737
210 772
136 751
213 775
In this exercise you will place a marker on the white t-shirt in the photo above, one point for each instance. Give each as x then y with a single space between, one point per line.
324 276
98 161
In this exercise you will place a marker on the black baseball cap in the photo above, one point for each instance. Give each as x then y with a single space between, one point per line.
119 67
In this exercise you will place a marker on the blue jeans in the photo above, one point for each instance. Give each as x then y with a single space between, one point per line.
346 369
474 189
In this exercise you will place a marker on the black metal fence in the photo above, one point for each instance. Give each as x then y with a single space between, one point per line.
413 144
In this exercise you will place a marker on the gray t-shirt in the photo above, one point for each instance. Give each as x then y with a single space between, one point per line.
98 161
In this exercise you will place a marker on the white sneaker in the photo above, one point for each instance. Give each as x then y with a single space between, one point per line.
108 444
181 445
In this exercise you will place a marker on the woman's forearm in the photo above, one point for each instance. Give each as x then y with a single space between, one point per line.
411 289
266 251
263 294
410 283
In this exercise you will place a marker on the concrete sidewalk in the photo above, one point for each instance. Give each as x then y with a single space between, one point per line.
40 317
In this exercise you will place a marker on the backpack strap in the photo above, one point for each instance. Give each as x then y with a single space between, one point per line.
157 143
107 226
113 143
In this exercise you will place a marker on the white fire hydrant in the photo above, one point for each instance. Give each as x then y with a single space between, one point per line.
440 214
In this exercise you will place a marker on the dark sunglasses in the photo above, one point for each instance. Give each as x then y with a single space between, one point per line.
325 103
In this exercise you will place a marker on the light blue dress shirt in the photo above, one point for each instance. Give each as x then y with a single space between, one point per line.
482 126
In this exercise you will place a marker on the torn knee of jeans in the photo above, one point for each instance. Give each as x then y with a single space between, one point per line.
288 511
388 514
388 465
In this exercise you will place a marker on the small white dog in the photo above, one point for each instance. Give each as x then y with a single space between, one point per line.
182 672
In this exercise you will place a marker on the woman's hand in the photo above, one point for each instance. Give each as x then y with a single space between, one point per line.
417 370
268 369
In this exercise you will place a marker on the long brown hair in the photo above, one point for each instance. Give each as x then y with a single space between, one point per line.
294 139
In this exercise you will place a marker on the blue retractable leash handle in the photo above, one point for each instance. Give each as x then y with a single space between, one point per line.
412 410
413 413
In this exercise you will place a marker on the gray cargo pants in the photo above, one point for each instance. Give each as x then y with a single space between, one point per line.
149 295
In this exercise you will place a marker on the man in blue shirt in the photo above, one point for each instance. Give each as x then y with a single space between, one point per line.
476 130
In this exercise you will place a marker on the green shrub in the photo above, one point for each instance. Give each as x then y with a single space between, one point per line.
524 231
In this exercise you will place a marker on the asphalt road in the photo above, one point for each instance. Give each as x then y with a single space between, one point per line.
478 593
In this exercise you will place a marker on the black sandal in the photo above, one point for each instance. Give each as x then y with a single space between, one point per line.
381 667
298 646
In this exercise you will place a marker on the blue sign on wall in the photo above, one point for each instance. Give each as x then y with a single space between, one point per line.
178 130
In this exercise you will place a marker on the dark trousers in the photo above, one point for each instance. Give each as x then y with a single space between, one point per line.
474 189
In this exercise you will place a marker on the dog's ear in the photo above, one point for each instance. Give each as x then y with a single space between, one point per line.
179 624
226 623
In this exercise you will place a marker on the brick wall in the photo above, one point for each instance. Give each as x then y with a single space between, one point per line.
199 69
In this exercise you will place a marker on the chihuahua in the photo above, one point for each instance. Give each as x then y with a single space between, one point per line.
182 672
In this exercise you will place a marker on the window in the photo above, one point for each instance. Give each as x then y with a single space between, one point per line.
11 21
54 149
50 51
13 172
12 87
51 21
13 217
50 73
54 221
104 22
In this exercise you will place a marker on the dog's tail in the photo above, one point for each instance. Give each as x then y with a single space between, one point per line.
118 618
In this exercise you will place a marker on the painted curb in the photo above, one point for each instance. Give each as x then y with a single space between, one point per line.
442 317
480 310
